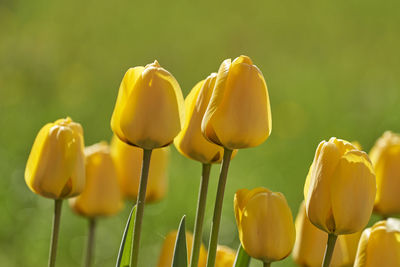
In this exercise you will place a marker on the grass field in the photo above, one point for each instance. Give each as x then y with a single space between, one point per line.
332 68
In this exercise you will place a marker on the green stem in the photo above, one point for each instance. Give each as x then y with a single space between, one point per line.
201 207
55 231
90 243
212 248
140 207
267 264
330 246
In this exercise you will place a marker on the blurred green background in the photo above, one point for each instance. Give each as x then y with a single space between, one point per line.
332 68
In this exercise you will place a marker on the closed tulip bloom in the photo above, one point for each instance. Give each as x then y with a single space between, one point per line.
340 188
310 244
265 224
225 257
190 142
101 195
55 167
128 162
385 156
239 114
149 108
167 251
380 245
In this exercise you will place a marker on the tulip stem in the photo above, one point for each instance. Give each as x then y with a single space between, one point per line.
90 242
330 246
267 264
201 207
140 206
55 231
212 248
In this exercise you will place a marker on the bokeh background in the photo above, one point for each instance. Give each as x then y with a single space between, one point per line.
332 68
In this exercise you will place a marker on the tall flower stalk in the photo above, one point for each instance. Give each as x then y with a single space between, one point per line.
148 114
238 116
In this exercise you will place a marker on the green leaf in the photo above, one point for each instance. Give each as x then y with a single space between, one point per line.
124 254
242 259
180 252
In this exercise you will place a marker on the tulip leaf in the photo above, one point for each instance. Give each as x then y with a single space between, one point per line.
124 254
180 251
242 258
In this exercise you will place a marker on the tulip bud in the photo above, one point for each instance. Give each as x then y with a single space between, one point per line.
55 167
310 244
225 257
340 188
128 162
265 224
167 251
190 142
385 156
239 114
380 245
149 108
101 195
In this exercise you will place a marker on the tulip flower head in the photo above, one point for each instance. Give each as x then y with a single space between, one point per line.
340 188
167 251
385 156
190 142
380 245
128 162
265 224
149 108
225 257
55 167
239 113
101 195
310 244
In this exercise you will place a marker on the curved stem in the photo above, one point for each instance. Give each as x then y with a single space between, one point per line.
267 264
201 207
212 248
140 206
55 231
330 246
90 242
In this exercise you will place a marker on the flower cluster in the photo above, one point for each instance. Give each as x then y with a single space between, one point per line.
227 111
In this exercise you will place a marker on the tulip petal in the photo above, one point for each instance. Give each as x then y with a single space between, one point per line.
353 191
318 199
127 84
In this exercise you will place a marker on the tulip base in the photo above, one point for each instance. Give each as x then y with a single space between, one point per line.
201 207
212 248
90 243
55 231
330 246
140 206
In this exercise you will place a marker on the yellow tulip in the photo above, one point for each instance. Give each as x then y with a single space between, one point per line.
101 195
239 114
190 142
340 188
55 167
310 244
385 156
380 245
225 257
167 251
265 224
149 108
128 162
